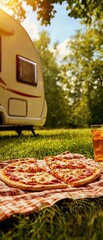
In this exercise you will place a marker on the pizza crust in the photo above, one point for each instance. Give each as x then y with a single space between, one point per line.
88 179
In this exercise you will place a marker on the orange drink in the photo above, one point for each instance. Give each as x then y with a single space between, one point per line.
97 137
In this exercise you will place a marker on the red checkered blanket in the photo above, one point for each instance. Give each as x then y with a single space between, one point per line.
13 200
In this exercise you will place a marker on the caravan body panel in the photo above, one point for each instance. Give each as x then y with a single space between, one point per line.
22 98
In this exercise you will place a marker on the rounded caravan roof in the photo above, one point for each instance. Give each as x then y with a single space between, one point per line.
6 29
9 27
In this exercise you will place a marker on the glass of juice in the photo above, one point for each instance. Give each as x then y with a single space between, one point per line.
97 137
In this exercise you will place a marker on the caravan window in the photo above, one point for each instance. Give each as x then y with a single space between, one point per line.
26 71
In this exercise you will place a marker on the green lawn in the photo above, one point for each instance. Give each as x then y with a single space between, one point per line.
67 219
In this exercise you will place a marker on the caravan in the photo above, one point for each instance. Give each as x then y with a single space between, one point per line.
22 98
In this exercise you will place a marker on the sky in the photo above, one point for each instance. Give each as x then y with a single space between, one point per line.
61 29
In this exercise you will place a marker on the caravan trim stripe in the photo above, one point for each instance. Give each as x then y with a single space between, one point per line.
16 92
21 93
1 81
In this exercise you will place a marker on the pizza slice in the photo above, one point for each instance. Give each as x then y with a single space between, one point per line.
28 175
77 177
55 162
75 172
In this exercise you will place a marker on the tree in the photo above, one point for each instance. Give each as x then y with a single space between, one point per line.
84 69
55 96
83 9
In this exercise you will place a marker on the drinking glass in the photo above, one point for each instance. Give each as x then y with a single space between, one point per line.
97 137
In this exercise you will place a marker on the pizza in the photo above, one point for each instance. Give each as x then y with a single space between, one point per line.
74 172
54 172
27 174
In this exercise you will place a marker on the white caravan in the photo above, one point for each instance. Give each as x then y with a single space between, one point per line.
22 97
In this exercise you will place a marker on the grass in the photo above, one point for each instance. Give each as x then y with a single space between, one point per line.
80 219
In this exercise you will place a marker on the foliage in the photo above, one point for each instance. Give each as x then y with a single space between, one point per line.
55 96
74 89
84 76
67 219
15 7
84 9
80 114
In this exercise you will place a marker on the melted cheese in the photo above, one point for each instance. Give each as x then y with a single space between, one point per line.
38 177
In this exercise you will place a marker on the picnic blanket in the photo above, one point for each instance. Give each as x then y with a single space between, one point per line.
14 201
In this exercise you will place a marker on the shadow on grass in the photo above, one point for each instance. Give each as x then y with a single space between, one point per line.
48 133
